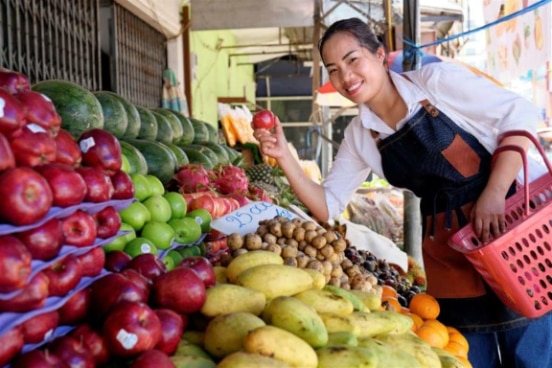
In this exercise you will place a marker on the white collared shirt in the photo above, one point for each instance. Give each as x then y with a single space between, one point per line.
474 102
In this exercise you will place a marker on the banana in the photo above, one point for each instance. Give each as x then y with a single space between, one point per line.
415 346
447 359
190 361
220 274
347 356
389 355
338 323
274 280
241 359
282 345
224 334
358 305
325 301
371 300
318 279
342 338
230 298
293 315
251 259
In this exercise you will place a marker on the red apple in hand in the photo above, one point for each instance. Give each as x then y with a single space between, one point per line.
92 262
148 265
12 118
264 119
202 267
67 149
63 275
33 146
181 290
26 196
44 241
11 343
72 351
100 149
37 328
108 222
131 328
75 309
13 81
116 260
40 110
98 183
7 159
33 296
15 264
153 358
172 328
68 186
93 341
123 187
79 229
110 290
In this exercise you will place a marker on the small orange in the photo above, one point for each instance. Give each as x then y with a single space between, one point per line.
459 338
439 328
451 329
391 304
389 291
418 321
457 349
431 336
425 305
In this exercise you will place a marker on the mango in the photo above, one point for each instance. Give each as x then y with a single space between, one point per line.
274 280
229 298
250 259
241 359
347 356
324 301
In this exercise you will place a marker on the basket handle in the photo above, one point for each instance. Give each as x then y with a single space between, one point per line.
523 154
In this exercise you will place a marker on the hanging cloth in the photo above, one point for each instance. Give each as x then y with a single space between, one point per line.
173 97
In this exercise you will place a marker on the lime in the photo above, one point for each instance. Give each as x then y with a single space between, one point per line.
187 230
202 217
140 245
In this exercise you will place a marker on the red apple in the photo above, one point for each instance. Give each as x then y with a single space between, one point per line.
98 183
92 262
172 328
12 118
181 290
15 264
123 187
39 327
110 290
11 343
75 309
32 296
32 146
100 149
39 359
40 110
108 222
264 119
116 260
131 328
63 275
72 351
202 267
93 341
44 241
148 265
68 186
7 159
153 358
79 229
139 280
67 149
13 81
26 196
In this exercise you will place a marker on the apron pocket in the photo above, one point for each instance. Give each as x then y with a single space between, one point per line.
462 157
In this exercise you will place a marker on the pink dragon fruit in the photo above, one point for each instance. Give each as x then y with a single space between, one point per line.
230 179
193 178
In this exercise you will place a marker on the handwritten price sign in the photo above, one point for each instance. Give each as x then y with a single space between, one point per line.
246 219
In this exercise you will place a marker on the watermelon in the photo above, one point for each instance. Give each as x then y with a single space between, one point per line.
115 116
148 124
181 157
78 108
232 153
201 131
187 130
207 152
160 159
195 156
213 133
177 129
221 153
133 126
135 158
164 128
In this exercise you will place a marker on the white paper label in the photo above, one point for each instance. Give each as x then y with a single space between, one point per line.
127 340
35 128
86 144
2 105
145 248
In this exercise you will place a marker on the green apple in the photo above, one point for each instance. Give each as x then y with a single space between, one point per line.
177 203
159 208
160 233
125 164
169 263
140 245
136 215
173 253
119 242
156 185
142 187
202 217
192 251
187 230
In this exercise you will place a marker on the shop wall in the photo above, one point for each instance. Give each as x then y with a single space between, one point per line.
215 73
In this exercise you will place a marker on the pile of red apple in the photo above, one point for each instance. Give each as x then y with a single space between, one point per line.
59 203
136 316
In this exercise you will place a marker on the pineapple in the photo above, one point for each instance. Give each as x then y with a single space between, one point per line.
260 173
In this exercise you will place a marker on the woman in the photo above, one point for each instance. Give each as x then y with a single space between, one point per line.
431 131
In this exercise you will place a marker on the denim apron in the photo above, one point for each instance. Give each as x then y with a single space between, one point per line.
448 169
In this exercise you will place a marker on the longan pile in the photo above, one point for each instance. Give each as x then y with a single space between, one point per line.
304 244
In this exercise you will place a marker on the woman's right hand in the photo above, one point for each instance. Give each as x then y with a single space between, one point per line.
272 144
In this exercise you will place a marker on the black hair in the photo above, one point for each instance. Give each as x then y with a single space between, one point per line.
356 28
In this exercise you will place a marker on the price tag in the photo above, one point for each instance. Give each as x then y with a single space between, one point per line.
246 219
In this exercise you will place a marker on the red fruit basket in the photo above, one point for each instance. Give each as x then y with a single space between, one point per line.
518 264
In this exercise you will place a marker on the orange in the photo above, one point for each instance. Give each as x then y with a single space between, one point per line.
451 329
391 304
456 349
439 328
459 338
389 291
418 321
431 336
425 305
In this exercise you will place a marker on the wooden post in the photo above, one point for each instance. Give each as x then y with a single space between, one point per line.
186 24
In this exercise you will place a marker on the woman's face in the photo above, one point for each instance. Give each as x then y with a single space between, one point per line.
354 71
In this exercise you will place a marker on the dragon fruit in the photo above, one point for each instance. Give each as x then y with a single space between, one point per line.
193 178
230 179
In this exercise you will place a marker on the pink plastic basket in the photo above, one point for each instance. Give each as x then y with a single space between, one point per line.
518 264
